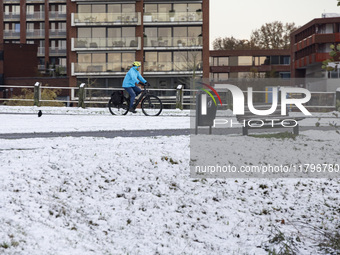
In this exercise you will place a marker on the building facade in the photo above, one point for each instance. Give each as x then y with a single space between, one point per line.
231 64
310 45
97 41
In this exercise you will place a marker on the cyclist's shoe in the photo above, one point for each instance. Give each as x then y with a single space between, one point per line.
132 110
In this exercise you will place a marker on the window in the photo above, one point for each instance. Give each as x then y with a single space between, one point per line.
16 9
62 25
17 27
98 8
98 58
84 58
245 61
30 9
84 8
260 61
180 7
222 61
6 9
114 8
53 43
150 8
285 60
62 44
128 8
223 76
164 8
62 8
284 75
30 26
274 60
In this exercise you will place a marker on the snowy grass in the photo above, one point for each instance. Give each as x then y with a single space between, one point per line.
135 195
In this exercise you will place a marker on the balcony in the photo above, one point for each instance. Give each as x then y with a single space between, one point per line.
173 42
35 1
12 16
123 43
11 34
36 33
100 68
106 19
57 51
57 1
172 67
11 1
57 33
57 15
41 51
36 16
172 18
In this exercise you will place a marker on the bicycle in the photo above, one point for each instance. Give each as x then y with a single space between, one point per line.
151 105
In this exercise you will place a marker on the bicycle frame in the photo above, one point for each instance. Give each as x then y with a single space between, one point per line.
143 94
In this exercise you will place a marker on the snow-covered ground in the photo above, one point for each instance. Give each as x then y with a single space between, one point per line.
135 195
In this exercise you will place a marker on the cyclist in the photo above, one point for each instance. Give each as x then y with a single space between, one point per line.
132 78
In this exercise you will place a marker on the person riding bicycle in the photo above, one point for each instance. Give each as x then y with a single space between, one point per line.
132 78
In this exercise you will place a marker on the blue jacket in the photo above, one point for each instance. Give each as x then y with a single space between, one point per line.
132 77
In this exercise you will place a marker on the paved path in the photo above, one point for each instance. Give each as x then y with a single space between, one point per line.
148 133
105 134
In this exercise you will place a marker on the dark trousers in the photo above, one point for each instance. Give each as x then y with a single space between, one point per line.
133 92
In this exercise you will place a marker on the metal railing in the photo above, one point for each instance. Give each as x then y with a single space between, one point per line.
106 43
171 98
172 17
79 19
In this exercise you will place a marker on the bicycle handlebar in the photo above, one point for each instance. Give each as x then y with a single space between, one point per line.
144 84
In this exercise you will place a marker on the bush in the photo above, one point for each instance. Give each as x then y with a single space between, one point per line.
46 94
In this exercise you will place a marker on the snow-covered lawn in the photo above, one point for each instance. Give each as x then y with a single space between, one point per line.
135 196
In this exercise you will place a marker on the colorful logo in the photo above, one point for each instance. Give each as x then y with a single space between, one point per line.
213 90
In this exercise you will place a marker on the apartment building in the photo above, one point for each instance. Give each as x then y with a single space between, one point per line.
168 37
310 45
39 22
227 64
97 41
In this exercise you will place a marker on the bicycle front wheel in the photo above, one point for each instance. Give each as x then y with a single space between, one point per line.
121 109
152 105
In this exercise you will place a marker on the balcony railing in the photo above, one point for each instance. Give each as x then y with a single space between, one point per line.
12 16
36 33
106 43
86 19
57 15
172 17
100 68
173 42
11 34
172 66
11 1
41 50
57 1
122 68
57 33
35 16
57 51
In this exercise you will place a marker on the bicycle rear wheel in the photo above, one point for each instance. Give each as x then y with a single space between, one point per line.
120 109
152 105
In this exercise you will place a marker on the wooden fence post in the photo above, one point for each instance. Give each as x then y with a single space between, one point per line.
37 93
81 96
179 97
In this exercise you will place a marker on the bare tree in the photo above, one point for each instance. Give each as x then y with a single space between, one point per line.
191 61
230 43
275 35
